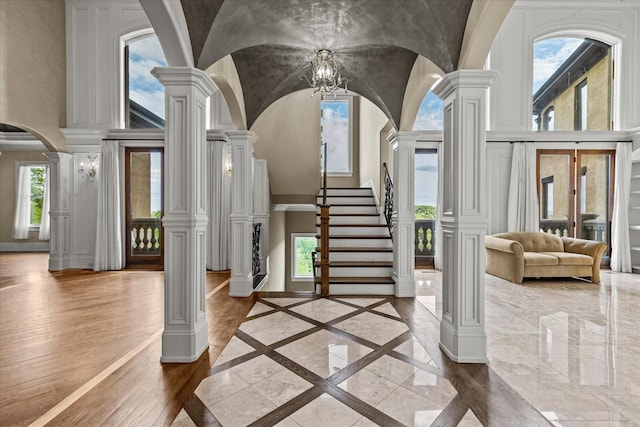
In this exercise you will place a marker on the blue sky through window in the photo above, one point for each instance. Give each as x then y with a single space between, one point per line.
548 55
426 188
429 114
335 132
144 88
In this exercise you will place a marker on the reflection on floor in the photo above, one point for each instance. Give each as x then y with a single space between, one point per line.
568 346
565 349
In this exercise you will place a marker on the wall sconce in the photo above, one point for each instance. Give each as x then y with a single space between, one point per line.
91 170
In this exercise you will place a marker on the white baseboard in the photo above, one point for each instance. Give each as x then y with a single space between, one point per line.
24 247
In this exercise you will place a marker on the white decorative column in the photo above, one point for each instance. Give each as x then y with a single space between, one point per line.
404 217
261 208
185 335
241 212
61 169
463 220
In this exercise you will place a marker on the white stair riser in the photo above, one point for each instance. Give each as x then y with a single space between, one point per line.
348 191
361 256
349 231
353 220
360 289
333 201
358 271
352 209
360 243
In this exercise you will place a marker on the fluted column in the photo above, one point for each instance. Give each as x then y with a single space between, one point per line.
403 217
185 335
241 212
60 193
464 210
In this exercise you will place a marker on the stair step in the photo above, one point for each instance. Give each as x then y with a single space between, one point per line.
356 236
371 229
341 264
356 249
349 224
352 209
358 280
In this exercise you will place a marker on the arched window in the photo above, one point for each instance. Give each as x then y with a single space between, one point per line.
561 67
144 94
430 113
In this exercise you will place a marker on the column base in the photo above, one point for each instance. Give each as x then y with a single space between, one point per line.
405 286
241 286
185 346
463 347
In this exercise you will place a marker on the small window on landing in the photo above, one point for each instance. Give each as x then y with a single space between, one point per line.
302 246
561 67
144 94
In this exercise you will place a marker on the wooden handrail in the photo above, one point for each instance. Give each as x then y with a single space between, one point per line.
324 231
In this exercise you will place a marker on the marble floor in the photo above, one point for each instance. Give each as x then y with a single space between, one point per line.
560 353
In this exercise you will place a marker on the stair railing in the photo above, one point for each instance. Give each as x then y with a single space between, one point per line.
255 249
324 231
388 199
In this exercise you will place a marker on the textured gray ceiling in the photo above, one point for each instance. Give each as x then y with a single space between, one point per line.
377 41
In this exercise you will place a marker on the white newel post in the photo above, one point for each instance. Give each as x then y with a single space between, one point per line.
404 217
261 208
463 221
185 335
241 212
61 169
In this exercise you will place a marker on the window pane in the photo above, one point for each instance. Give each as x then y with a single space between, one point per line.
336 134
430 113
304 245
555 185
37 192
560 64
146 93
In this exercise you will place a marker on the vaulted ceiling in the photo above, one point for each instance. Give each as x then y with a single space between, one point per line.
377 41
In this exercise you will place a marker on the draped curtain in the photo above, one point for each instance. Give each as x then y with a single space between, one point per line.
108 254
22 214
620 244
523 213
43 234
218 206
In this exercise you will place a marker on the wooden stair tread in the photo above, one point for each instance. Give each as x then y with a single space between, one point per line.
356 249
351 204
356 225
358 280
351 214
358 264
345 195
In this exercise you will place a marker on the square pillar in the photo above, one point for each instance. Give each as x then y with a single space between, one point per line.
241 212
463 219
185 335
60 179
403 216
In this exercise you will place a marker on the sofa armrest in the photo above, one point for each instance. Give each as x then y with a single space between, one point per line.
505 258
592 248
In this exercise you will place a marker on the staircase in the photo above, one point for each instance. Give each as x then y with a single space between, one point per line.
360 246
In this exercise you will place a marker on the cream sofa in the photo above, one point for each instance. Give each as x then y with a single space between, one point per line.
516 255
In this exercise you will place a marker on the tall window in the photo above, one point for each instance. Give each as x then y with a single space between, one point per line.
581 105
144 94
31 209
561 67
336 134
302 245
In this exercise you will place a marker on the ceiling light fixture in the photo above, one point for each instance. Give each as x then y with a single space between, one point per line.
325 74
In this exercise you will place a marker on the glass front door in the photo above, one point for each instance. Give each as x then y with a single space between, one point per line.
143 168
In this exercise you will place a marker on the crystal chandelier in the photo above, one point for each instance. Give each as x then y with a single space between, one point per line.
325 73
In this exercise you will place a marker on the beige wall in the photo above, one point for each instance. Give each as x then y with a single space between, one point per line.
597 171
8 161
33 68
289 135
296 222
141 185
557 166
372 120
598 100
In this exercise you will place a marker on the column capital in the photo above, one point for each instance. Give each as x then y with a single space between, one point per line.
183 76
237 136
471 79
403 138
56 156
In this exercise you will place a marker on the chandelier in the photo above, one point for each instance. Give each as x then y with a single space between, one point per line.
325 73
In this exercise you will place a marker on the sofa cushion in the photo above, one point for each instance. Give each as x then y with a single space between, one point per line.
535 241
537 258
568 258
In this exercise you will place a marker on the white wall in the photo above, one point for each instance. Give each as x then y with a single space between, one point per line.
372 120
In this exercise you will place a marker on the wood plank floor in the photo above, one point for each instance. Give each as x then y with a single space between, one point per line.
79 345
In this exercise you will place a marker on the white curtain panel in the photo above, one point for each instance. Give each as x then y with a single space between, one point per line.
620 244
523 213
109 225
218 206
22 214
43 234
